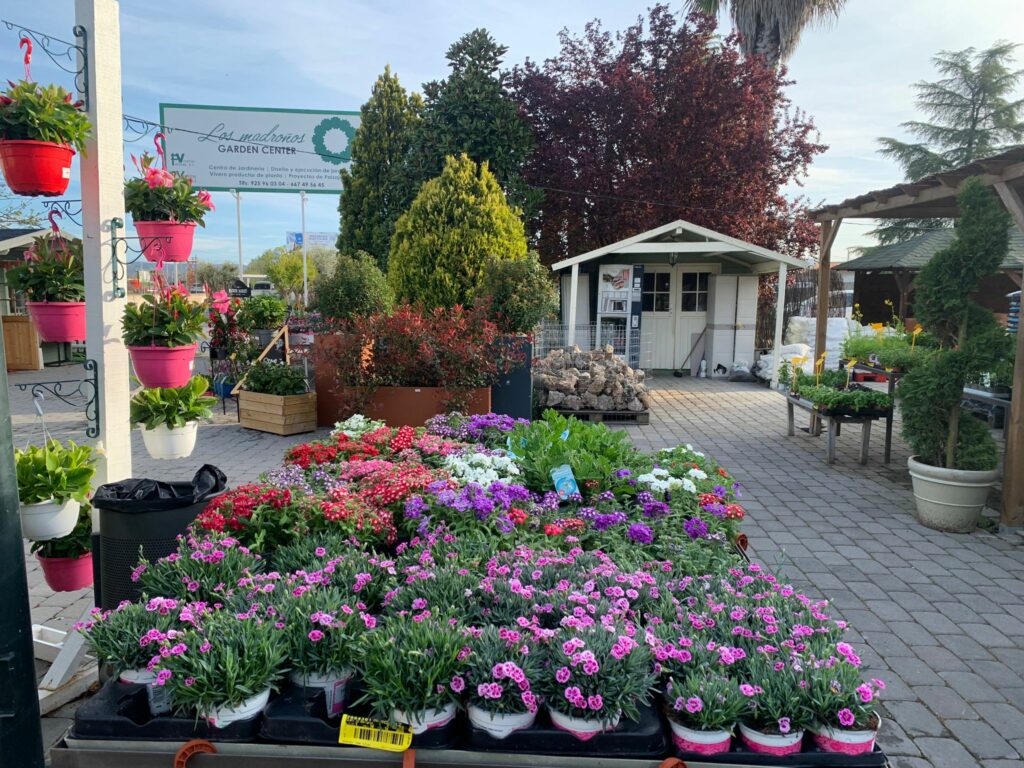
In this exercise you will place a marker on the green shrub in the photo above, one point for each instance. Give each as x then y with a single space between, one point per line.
356 289
262 312
518 294
273 377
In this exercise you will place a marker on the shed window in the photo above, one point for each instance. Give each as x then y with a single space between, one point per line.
657 292
694 291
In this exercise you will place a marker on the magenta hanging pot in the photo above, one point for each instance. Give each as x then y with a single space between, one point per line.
67 574
58 320
166 240
163 367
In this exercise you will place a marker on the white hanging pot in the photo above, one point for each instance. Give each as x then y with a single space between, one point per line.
771 743
334 684
845 742
222 717
499 725
584 730
165 443
49 519
158 696
700 742
422 721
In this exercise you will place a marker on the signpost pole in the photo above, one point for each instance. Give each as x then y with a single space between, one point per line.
305 257
238 224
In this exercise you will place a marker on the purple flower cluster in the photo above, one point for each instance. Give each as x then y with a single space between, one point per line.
640 533
695 528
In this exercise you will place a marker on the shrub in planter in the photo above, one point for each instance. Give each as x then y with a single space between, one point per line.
954 461
169 417
226 334
165 208
412 672
703 711
272 377
40 129
67 561
161 333
517 295
262 313
502 669
51 277
53 483
356 289
844 705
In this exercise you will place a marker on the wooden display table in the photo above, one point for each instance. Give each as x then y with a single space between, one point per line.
833 424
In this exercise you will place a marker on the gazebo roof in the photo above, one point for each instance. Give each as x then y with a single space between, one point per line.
911 255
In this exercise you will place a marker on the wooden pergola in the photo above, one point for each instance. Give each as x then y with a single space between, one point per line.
935 197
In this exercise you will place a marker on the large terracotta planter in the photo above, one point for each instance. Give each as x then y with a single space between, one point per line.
278 414
58 320
949 499
163 366
166 240
66 574
36 167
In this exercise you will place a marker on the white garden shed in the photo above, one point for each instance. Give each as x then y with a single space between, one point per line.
682 288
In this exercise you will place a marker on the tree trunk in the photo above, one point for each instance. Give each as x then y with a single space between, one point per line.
768 43
954 413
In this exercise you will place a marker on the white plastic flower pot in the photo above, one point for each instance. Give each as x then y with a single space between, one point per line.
158 696
500 726
949 499
334 684
771 743
49 519
845 742
222 717
700 742
584 730
423 721
164 443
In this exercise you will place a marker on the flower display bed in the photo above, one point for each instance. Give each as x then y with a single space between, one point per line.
436 570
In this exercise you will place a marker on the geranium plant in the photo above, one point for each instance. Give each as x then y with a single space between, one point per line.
161 195
260 516
51 270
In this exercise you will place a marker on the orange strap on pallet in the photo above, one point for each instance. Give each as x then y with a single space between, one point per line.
190 748
672 762
409 758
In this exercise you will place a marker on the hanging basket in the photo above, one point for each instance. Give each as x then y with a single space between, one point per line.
163 366
166 240
58 321
67 574
35 168
50 519
163 442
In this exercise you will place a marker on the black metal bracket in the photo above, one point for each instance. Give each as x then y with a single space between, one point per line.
136 128
120 250
72 209
73 59
85 393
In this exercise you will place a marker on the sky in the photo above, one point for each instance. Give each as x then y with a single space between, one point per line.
853 77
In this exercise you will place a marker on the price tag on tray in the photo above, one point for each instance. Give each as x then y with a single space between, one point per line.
375 734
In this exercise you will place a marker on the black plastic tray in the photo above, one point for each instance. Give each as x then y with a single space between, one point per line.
811 757
299 716
121 711
644 739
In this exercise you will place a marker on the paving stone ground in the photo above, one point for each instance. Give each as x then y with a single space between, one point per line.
939 616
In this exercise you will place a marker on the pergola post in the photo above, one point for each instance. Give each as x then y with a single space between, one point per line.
1012 514
102 168
574 284
828 236
780 310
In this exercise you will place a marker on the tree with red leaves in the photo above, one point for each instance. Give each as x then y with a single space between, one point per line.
662 121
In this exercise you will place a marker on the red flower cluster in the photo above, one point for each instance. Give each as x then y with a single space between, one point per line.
734 512
353 515
395 483
317 453
517 516
553 530
709 498
227 511
402 440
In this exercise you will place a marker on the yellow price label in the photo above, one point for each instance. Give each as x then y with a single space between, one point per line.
375 734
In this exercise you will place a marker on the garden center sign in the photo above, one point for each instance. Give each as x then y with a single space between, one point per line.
258 150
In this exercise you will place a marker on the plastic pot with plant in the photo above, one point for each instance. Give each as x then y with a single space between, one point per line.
52 279
854 400
53 482
169 417
67 561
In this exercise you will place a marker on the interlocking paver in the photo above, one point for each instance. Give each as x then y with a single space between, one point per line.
980 738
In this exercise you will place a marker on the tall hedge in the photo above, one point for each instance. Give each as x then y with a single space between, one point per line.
441 245
356 288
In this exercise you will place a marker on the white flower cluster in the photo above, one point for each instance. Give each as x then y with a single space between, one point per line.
356 426
698 474
661 480
482 468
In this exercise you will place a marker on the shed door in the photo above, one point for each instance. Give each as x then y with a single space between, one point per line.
658 304
691 299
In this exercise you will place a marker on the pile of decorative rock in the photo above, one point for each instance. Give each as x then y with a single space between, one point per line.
572 380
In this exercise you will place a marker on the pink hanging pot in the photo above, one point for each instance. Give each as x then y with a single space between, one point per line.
67 574
166 240
58 320
163 367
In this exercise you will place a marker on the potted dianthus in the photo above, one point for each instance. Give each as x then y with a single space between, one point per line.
777 710
162 333
596 678
165 208
703 711
412 672
40 129
844 705
501 670
169 417
53 483
67 561
52 279
274 399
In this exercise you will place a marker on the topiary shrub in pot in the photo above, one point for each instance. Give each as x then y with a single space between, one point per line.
169 418
955 460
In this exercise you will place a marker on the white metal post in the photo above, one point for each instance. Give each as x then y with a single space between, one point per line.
238 224
574 282
305 258
102 167
780 310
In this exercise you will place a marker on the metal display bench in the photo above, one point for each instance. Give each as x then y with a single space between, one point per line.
834 424
891 379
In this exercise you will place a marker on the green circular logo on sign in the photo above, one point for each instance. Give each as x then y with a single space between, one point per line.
320 144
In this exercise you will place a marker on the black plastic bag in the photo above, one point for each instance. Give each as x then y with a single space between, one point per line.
147 495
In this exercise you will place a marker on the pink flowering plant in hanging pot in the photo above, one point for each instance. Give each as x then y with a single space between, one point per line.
503 665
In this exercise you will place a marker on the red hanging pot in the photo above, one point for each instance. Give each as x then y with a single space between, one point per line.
58 320
163 366
35 168
66 574
166 240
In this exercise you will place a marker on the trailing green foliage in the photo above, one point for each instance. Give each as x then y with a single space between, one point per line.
55 471
518 294
441 244
262 312
356 289
32 112
273 377
51 271
173 407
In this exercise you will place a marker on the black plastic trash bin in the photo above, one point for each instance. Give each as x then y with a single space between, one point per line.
147 514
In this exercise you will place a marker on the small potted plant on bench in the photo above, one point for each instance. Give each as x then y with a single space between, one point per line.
274 398
169 417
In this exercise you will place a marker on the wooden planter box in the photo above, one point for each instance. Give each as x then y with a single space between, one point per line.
398 406
279 414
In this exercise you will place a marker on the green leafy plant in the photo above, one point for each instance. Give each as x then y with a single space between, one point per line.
162 195
839 697
55 471
518 294
854 400
32 112
705 702
51 270
173 407
262 313
891 352
355 289
776 702
75 544
274 377
167 318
